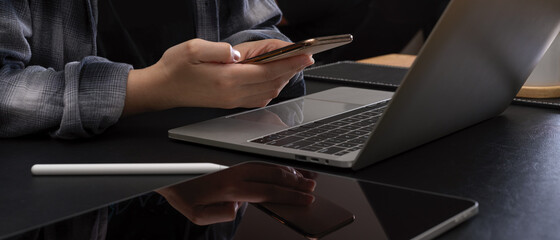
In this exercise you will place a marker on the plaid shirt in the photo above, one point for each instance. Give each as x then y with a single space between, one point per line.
51 80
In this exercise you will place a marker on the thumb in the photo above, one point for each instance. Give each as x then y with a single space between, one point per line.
215 213
202 51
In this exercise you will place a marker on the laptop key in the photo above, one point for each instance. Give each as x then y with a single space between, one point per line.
338 123
328 127
330 150
351 127
361 116
284 141
317 130
311 125
311 148
347 145
335 140
361 124
298 144
347 136
360 133
306 134
286 133
316 139
343 115
358 141
327 135
261 140
350 120
339 131
341 153
324 144
355 149
275 136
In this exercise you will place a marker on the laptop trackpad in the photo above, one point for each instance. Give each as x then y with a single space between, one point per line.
295 112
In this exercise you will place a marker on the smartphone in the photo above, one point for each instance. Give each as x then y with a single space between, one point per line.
313 221
309 46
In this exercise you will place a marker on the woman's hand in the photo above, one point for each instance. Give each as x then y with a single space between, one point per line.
216 197
199 73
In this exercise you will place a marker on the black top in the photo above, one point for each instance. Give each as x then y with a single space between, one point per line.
138 31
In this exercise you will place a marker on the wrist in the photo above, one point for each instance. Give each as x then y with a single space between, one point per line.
143 91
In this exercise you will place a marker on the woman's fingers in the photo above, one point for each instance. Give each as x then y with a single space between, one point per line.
258 73
215 197
214 213
265 192
254 48
202 51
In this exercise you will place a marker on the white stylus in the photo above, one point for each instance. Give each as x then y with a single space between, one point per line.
125 168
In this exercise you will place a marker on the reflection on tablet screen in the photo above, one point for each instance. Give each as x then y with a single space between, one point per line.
381 212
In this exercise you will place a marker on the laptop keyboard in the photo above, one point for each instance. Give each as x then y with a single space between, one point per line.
337 135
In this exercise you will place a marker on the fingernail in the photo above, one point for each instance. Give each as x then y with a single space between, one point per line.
310 184
236 55
311 61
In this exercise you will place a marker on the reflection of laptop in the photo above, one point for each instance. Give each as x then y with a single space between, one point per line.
472 65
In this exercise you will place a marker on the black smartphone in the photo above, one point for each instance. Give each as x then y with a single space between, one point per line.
309 46
313 221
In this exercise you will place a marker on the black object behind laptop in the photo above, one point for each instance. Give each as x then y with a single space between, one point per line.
383 77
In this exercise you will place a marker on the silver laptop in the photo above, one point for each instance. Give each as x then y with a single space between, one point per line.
472 65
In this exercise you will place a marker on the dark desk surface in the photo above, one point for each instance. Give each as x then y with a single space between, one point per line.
509 164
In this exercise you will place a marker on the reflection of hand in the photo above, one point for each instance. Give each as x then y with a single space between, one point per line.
199 73
262 116
216 197
287 114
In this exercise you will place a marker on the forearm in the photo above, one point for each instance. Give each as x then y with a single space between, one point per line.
144 91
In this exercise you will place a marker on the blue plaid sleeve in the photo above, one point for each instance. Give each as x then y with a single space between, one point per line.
48 83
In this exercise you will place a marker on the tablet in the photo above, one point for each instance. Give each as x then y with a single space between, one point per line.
380 211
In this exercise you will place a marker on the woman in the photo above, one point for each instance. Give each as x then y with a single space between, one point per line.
53 80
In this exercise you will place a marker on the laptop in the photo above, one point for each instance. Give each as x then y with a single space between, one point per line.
471 67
